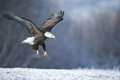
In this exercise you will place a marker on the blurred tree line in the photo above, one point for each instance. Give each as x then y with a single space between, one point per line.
90 43
100 38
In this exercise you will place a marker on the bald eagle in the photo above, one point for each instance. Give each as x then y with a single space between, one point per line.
39 34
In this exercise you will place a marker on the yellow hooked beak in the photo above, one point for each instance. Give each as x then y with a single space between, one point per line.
53 36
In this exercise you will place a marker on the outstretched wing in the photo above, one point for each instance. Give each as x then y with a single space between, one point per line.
28 24
52 21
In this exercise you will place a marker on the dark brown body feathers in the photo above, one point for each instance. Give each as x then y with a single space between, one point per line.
38 33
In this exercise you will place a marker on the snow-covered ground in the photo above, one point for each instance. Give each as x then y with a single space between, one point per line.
57 74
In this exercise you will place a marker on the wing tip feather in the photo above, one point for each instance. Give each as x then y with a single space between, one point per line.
58 14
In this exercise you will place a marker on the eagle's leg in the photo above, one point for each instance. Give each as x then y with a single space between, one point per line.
44 49
35 47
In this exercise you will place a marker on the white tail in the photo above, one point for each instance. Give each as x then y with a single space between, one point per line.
29 40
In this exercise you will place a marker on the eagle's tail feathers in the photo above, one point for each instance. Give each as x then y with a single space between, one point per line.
29 40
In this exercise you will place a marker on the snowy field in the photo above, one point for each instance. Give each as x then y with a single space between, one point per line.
57 74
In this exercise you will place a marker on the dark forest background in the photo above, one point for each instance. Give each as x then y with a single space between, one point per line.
80 42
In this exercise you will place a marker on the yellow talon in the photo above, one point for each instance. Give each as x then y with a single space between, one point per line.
45 53
37 52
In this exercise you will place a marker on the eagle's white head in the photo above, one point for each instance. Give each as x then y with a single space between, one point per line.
49 35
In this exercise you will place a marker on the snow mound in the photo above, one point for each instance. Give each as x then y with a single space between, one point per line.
57 74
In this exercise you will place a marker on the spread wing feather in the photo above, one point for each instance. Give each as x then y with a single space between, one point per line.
52 21
29 25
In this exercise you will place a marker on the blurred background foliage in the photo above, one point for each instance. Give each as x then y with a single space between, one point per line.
89 35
